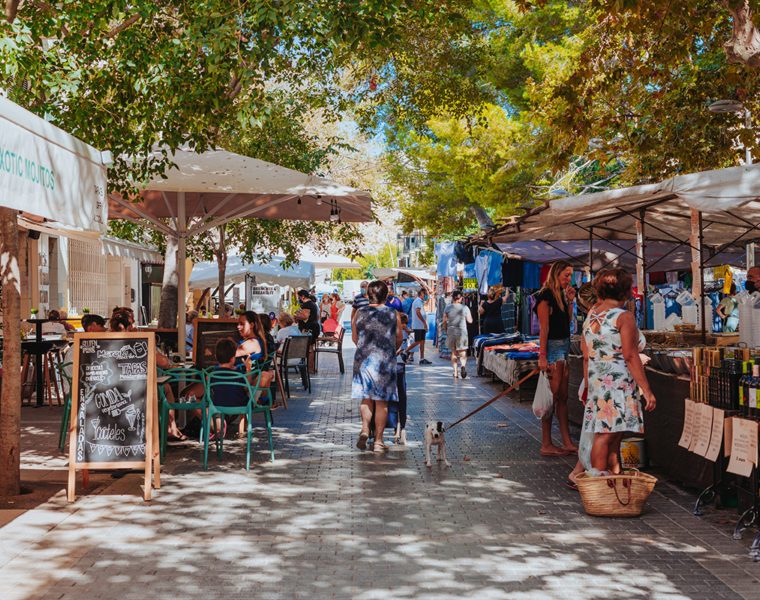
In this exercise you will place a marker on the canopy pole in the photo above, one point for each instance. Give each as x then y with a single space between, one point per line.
697 266
590 253
181 284
750 255
641 278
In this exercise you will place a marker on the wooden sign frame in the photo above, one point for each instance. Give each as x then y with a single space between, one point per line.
152 463
196 328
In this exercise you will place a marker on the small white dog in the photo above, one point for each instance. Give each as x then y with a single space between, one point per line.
434 437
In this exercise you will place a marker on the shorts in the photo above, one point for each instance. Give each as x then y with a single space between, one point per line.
419 335
456 342
557 350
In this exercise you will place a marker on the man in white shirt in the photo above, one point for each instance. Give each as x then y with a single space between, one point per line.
419 325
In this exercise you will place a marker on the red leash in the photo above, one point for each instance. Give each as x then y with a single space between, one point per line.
495 398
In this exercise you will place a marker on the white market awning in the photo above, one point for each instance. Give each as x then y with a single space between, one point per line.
328 261
117 247
206 274
49 173
389 272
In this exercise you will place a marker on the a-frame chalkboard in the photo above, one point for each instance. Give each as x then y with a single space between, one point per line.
114 406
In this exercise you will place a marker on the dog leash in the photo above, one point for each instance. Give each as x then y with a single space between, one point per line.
495 398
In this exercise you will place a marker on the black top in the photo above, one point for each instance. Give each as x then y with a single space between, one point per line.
313 311
559 319
492 309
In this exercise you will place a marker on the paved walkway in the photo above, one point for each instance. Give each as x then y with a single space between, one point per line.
328 521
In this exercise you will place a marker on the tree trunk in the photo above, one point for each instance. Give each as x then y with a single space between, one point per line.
167 312
744 44
221 260
10 406
484 221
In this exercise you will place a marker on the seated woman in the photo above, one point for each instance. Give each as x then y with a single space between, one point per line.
54 325
287 328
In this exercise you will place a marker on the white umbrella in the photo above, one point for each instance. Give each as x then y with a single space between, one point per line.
206 274
218 186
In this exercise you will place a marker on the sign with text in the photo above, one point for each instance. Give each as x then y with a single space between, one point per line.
206 334
114 421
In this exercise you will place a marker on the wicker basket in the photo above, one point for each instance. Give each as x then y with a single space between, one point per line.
617 495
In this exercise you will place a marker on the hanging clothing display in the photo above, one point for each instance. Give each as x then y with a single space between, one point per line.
463 255
494 268
447 262
481 271
512 273
531 275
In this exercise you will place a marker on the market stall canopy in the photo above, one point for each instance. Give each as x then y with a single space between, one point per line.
219 186
328 261
660 256
49 174
727 198
403 275
206 274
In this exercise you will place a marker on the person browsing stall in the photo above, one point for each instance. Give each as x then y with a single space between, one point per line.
553 307
455 320
419 325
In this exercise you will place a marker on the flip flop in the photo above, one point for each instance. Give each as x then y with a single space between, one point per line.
557 452
361 443
173 438
571 484
572 451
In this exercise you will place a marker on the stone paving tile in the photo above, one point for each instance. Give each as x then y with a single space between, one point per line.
328 521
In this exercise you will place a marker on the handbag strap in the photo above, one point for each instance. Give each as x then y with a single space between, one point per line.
626 484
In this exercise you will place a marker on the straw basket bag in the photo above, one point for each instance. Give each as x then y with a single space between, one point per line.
615 495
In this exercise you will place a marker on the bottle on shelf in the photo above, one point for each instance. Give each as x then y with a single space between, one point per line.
744 388
753 391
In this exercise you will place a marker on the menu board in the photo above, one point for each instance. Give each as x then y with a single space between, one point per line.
114 421
206 334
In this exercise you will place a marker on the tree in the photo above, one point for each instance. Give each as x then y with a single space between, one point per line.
127 76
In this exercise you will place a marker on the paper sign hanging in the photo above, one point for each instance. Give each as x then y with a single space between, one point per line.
743 448
716 436
702 435
688 424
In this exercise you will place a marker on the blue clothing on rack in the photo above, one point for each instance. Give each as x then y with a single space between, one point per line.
447 262
494 268
469 271
531 275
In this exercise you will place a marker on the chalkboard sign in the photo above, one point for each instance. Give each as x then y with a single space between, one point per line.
206 334
114 404
166 340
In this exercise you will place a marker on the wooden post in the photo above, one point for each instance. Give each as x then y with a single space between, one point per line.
590 253
641 281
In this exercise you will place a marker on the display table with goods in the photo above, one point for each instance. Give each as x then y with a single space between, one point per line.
509 361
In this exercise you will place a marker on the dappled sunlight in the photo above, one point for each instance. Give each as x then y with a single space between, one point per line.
327 520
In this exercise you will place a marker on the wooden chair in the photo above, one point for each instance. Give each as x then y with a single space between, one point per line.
332 345
272 360
295 355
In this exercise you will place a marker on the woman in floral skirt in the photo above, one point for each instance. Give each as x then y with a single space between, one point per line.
615 375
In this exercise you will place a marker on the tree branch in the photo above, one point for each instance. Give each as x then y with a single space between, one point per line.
11 8
122 26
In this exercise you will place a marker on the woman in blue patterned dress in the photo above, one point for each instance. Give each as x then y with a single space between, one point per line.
377 334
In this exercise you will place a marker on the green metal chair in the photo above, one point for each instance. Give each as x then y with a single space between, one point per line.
259 401
61 367
182 377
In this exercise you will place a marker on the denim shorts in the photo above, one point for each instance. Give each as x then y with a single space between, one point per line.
557 350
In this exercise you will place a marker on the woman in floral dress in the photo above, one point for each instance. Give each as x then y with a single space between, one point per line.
615 377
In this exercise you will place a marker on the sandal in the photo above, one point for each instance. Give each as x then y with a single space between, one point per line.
555 452
177 438
571 484
573 450
361 443
212 435
379 447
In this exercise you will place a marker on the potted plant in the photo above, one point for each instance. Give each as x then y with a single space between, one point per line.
239 311
34 312
85 311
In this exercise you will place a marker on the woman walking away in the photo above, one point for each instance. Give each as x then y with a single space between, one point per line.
611 343
490 312
455 319
377 335
553 303
728 310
